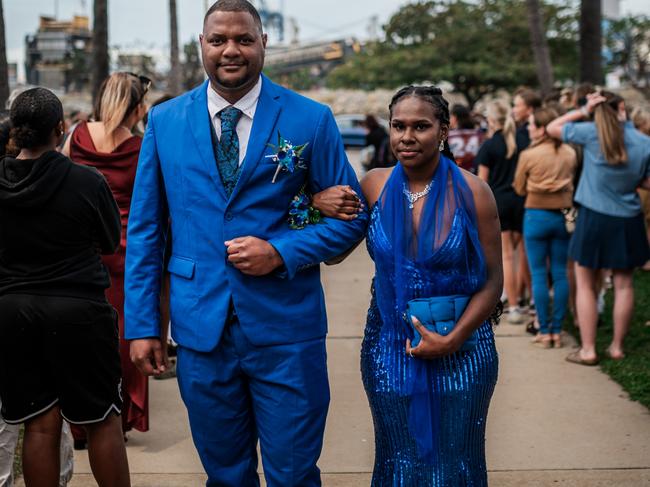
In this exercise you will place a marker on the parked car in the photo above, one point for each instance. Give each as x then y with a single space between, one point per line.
352 129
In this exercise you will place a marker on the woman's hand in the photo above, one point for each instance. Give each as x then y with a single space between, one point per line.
340 202
431 345
593 100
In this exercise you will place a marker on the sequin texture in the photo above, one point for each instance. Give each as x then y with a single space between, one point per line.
462 383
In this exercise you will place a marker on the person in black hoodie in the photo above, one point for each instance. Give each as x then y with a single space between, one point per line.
59 352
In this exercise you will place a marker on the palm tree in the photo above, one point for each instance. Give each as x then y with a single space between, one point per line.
591 67
175 69
540 46
100 45
4 69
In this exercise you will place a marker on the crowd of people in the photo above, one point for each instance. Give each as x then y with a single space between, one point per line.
108 236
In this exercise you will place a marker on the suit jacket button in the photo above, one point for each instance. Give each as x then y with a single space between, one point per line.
229 216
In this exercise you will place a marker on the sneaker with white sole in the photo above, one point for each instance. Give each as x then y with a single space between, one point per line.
516 317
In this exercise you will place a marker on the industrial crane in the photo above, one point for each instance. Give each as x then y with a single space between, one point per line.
272 20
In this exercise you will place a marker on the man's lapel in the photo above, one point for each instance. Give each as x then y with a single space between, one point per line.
266 114
199 120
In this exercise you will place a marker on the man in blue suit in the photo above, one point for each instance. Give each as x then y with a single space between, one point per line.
246 302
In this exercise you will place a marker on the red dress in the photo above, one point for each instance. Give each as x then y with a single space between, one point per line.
118 167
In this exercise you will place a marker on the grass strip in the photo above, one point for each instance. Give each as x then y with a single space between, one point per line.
633 372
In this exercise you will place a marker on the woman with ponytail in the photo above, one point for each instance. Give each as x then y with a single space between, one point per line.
433 236
497 161
610 232
110 145
545 173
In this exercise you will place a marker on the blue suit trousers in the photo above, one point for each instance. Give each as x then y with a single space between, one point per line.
239 393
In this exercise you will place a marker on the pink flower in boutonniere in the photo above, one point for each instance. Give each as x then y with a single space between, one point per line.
288 156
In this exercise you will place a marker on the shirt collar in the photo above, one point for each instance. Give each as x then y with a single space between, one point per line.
247 103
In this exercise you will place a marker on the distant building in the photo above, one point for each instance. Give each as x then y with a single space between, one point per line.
138 63
12 71
58 55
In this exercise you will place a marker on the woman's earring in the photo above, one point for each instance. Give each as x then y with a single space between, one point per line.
442 146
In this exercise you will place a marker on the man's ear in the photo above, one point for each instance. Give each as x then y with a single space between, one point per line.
265 39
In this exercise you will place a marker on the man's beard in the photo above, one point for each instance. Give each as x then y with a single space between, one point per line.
234 84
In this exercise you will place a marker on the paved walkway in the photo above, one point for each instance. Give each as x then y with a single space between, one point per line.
551 423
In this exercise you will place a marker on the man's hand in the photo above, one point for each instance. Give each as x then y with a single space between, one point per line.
253 256
148 356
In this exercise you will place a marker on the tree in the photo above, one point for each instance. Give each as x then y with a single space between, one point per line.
591 64
628 42
192 66
100 68
540 46
4 68
175 69
478 46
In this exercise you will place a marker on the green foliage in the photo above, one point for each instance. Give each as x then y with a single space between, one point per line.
192 67
478 46
300 80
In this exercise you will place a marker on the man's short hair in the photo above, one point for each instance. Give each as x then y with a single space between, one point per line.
235 6
530 97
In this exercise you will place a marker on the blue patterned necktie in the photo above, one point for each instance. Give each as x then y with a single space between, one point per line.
228 148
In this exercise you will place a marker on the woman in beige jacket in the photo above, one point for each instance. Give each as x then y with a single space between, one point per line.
545 175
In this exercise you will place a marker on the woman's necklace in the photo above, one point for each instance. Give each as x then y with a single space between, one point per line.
413 197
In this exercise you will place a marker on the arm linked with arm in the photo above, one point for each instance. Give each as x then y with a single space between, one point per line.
332 237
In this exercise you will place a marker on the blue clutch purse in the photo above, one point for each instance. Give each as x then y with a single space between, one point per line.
439 315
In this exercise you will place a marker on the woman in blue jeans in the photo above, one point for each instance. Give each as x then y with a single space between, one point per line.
545 176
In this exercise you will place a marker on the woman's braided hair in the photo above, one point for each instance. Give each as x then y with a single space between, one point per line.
433 96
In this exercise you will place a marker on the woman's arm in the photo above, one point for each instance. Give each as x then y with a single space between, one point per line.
483 173
340 202
645 184
554 129
521 175
371 185
484 302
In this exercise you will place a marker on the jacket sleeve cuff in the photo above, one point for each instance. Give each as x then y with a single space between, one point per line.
288 270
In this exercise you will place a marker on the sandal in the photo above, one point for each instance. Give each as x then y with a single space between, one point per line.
542 340
575 358
556 338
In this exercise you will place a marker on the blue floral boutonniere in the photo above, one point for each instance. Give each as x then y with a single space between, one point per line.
288 156
301 213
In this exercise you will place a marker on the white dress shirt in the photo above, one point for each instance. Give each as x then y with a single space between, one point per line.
247 104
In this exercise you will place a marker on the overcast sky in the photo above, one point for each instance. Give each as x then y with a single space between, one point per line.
137 25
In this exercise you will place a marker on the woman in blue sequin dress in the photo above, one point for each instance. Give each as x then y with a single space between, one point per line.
434 231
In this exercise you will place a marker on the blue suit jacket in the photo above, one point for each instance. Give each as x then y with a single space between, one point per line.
178 179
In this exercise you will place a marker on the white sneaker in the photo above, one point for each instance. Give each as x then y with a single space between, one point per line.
516 317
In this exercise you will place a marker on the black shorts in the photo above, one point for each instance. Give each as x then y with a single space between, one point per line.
511 211
58 350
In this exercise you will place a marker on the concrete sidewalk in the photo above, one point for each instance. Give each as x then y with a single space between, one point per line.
551 423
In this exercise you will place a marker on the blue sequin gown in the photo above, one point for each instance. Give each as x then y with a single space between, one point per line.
462 383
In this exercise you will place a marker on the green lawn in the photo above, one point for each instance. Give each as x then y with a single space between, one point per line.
633 373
